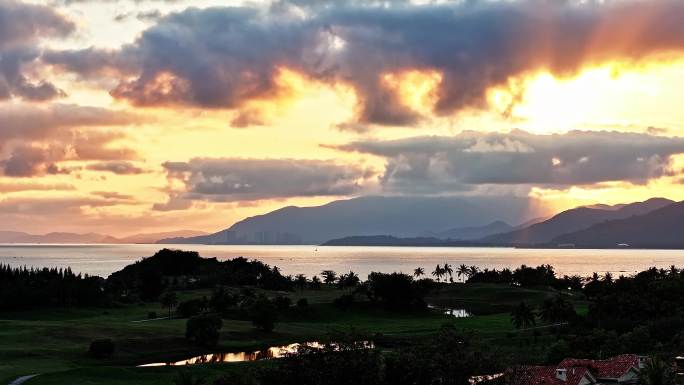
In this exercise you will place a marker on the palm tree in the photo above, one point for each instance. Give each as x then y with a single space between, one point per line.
418 271
463 271
300 280
350 279
608 278
448 270
523 316
656 372
473 270
329 276
438 272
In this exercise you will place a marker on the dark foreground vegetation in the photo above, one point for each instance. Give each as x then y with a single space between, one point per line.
387 329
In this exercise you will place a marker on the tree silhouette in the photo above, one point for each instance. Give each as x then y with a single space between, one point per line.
329 277
168 299
300 280
523 316
438 272
418 271
463 271
448 270
556 310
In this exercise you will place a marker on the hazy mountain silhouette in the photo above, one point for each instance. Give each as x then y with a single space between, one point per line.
475 232
55 237
395 216
388 240
155 237
574 220
63 237
471 233
659 228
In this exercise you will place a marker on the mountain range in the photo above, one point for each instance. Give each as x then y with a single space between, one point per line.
574 220
661 228
73 238
371 215
650 224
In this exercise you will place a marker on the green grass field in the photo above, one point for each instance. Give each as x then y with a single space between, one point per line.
54 342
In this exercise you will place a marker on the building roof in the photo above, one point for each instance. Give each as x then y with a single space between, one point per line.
546 375
611 368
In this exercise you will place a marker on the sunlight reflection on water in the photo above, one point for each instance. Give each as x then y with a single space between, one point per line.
104 259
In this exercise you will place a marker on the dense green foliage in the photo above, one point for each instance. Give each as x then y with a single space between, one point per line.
397 291
204 329
525 276
22 288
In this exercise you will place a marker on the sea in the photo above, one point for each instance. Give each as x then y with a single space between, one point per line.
102 260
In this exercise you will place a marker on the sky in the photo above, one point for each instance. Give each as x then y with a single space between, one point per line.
130 116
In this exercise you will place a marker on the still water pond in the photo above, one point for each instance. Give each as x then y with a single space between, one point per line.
272 352
453 312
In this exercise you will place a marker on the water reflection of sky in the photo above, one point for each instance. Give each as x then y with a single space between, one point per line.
272 352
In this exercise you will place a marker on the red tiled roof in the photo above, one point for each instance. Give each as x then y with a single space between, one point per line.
546 375
611 368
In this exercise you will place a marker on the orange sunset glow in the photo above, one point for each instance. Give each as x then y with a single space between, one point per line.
120 123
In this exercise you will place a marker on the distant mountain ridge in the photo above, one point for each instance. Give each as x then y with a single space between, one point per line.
660 228
88 238
395 216
475 232
388 240
574 220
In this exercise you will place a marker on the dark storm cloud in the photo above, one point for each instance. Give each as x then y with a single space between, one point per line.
438 164
21 27
116 167
235 179
223 57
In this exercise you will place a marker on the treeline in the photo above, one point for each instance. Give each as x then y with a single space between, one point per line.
642 313
525 276
21 288
149 277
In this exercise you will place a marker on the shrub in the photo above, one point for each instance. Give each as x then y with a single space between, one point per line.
344 301
102 348
263 314
302 303
189 308
221 299
204 329
282 303
152 315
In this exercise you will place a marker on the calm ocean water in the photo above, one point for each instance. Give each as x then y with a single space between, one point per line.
104 259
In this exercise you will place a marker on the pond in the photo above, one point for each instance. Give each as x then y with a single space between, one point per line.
454 312
271 352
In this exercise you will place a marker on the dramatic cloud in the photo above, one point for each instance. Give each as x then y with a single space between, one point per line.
440 164
225 57
119 168
34 138
34 122
21 27
20 187
236 179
